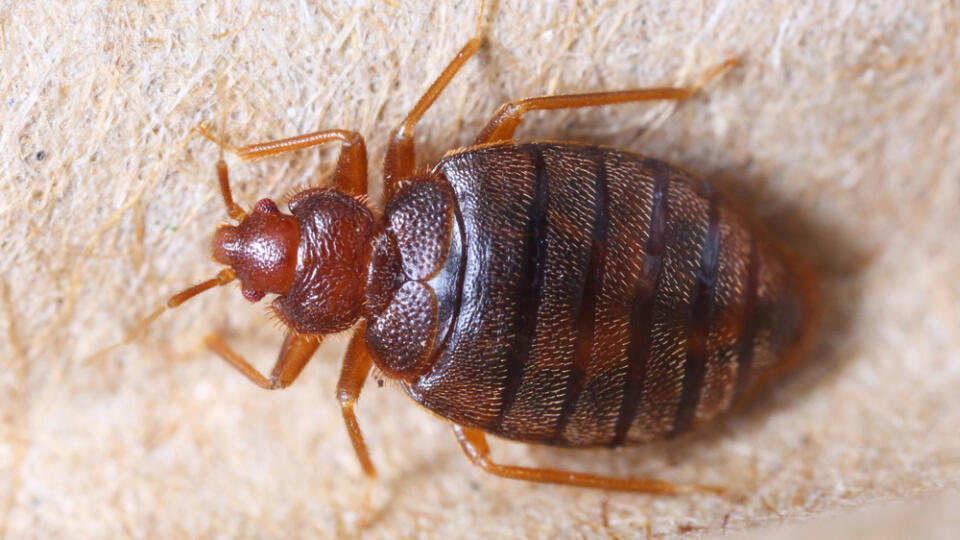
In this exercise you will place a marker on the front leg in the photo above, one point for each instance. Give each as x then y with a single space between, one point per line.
294 355
351 172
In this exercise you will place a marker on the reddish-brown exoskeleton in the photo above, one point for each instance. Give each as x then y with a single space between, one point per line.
550 293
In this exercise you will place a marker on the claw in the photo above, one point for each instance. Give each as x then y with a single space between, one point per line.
201 128
715 71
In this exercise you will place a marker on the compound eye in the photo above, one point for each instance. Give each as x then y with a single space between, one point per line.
266 206
252 295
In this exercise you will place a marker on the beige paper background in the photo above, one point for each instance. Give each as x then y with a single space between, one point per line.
839 130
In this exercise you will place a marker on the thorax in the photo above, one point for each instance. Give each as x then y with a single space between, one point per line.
412 278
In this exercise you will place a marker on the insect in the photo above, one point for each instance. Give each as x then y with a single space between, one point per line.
546 292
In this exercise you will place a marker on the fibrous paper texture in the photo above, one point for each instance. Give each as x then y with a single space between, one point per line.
838 130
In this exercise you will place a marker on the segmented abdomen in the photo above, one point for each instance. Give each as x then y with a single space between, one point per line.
607 298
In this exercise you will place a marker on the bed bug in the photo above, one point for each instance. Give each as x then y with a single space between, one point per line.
545 292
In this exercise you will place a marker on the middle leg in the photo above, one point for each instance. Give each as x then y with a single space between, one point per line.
353 374
400 160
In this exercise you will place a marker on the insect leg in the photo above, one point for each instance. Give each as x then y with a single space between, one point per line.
400 159
294 355
474 445
509 116
353 374
351 174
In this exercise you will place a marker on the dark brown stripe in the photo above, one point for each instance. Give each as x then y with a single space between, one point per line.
749 327
528 297
641 312
590 290
701 307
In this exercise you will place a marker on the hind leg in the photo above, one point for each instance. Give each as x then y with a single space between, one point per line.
474 445
509 116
